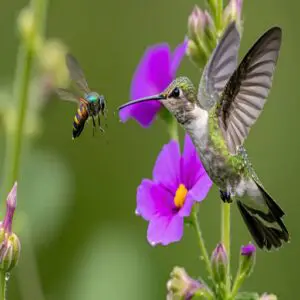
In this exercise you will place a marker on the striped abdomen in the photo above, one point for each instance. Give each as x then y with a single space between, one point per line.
79 120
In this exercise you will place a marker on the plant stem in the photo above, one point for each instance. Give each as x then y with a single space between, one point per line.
14 142
225 229
3 285
204 254
219 14
21 94
237 284
173 129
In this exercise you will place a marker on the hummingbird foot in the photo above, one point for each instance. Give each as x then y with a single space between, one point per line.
225 196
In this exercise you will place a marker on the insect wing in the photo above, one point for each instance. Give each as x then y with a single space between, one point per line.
67 95
76 73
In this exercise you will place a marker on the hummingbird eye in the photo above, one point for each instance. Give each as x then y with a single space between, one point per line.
175 93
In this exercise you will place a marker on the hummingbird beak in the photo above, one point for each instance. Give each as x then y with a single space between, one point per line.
150 98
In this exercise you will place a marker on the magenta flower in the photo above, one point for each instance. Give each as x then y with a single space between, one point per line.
154 73
248 250
178 181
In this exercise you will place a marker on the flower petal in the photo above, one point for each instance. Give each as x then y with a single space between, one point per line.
167 166
159 66
143 113
153 200
186 209
201 188
165 230
151 77
191 166
177 57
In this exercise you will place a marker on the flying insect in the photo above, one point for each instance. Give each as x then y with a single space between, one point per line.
90 106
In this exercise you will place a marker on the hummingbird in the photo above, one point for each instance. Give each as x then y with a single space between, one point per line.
218 118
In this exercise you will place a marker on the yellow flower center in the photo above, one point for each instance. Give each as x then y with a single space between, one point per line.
180 196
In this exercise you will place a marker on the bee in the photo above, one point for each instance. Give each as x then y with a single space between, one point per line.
90 105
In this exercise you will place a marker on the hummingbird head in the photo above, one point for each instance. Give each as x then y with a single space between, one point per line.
179 98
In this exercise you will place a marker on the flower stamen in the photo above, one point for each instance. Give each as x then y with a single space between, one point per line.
180 196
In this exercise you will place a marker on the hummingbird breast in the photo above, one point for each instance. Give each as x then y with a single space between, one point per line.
220 167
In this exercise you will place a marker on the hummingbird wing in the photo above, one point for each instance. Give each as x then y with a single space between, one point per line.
67 95
219 68
246 92
76 73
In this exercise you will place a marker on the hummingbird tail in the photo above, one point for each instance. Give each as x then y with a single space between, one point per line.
266 227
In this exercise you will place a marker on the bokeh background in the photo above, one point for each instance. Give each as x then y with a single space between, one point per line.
80 236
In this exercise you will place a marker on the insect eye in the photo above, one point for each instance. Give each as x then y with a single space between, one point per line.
175 93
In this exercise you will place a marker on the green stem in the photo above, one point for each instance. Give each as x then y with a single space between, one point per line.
21 94
219 15
204 254
225 229
240 278
3 285
173 129
14 142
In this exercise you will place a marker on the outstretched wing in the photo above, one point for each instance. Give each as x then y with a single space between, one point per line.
67 95
246 92
219 68
76 73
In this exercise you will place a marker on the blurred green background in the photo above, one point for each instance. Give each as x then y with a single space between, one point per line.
80 236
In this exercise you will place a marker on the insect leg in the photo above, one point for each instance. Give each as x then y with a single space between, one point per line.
94 125
104 113
99 124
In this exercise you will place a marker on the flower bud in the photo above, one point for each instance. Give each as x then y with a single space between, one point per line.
10 246
28 30
52 61
11 204
247 259
26 23
197 22
198 57
10 249
219 263
266 296
233 12
202 36
183 286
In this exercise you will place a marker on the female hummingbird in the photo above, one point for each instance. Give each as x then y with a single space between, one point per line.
218 119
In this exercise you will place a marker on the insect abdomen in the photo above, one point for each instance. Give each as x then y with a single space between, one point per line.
79 120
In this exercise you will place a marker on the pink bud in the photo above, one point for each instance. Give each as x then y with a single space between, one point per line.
11 203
